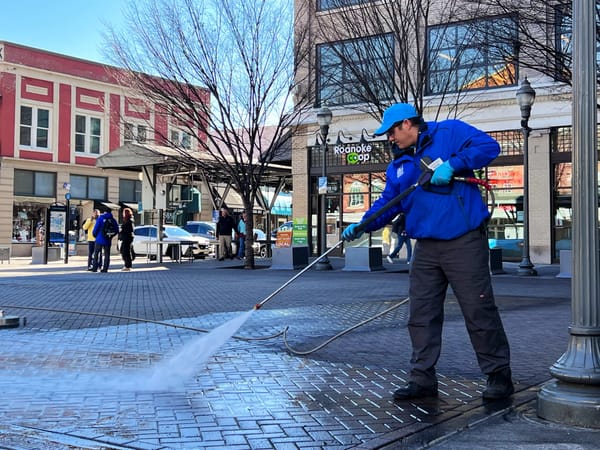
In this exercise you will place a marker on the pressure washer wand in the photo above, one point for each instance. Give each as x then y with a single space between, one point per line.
283 286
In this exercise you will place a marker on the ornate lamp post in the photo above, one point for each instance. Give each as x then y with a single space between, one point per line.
525 99
324 117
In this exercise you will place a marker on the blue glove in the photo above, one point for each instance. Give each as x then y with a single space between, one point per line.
443 174
351 233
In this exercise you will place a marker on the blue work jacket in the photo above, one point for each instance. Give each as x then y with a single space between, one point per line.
438 212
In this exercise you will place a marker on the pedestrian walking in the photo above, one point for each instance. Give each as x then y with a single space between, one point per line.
126 238
399 229
241 237
105 230
448 219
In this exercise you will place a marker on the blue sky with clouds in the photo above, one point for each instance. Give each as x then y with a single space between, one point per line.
70 27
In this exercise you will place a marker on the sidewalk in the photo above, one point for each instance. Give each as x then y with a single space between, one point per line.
81 380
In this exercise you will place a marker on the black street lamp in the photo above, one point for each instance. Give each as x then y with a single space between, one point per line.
525 99
324 117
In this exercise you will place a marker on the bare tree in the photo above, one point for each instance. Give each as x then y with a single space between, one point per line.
242 54
390 50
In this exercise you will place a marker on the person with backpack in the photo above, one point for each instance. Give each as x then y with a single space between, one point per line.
105 230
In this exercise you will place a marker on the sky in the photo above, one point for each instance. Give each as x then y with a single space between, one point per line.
69 27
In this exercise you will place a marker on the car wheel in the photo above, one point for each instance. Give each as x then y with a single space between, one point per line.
263 251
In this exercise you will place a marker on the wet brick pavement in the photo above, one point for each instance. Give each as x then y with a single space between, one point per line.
80 380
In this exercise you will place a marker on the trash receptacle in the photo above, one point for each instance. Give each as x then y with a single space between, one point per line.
496 261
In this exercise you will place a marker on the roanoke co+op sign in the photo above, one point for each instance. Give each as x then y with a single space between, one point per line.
354 153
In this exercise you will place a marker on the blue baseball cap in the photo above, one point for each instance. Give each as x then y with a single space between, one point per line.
394 114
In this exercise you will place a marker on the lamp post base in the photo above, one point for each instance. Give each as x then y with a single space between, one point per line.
526 268
323 264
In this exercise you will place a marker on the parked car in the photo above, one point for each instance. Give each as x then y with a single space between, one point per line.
205 230
144 235
260 243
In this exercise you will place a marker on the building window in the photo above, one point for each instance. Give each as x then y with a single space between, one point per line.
564 41
34 126
181 139
323 5
84 187
35 184
472 55
356 71
357 198
130 190
134 133
88 134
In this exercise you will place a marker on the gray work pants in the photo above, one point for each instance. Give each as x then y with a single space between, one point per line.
462 263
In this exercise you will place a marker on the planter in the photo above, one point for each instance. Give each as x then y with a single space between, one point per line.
363 259
290 258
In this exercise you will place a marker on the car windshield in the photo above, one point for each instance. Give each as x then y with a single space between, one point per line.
177 232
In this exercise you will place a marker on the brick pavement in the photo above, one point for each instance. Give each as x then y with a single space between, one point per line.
78 381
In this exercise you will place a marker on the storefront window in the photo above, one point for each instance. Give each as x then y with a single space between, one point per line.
506 224
38 184
130 190
28 223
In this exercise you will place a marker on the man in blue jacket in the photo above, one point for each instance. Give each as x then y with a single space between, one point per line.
448 219
103 240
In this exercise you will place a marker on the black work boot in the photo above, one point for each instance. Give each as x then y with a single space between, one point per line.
499 385
414 390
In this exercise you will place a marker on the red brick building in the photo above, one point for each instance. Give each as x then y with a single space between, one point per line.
58 114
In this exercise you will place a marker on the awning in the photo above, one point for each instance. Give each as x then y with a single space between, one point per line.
133 206
112 206
282 205
133 156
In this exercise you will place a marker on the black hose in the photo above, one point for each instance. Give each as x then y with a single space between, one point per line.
135 319
340 334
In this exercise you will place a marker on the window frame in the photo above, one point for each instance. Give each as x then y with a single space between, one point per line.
455 63
563 41
181 138
337 80
326 5
127 185
23 174
90 139
135 132
87 178
34 127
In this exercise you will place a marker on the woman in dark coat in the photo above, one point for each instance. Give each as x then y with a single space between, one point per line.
126 238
